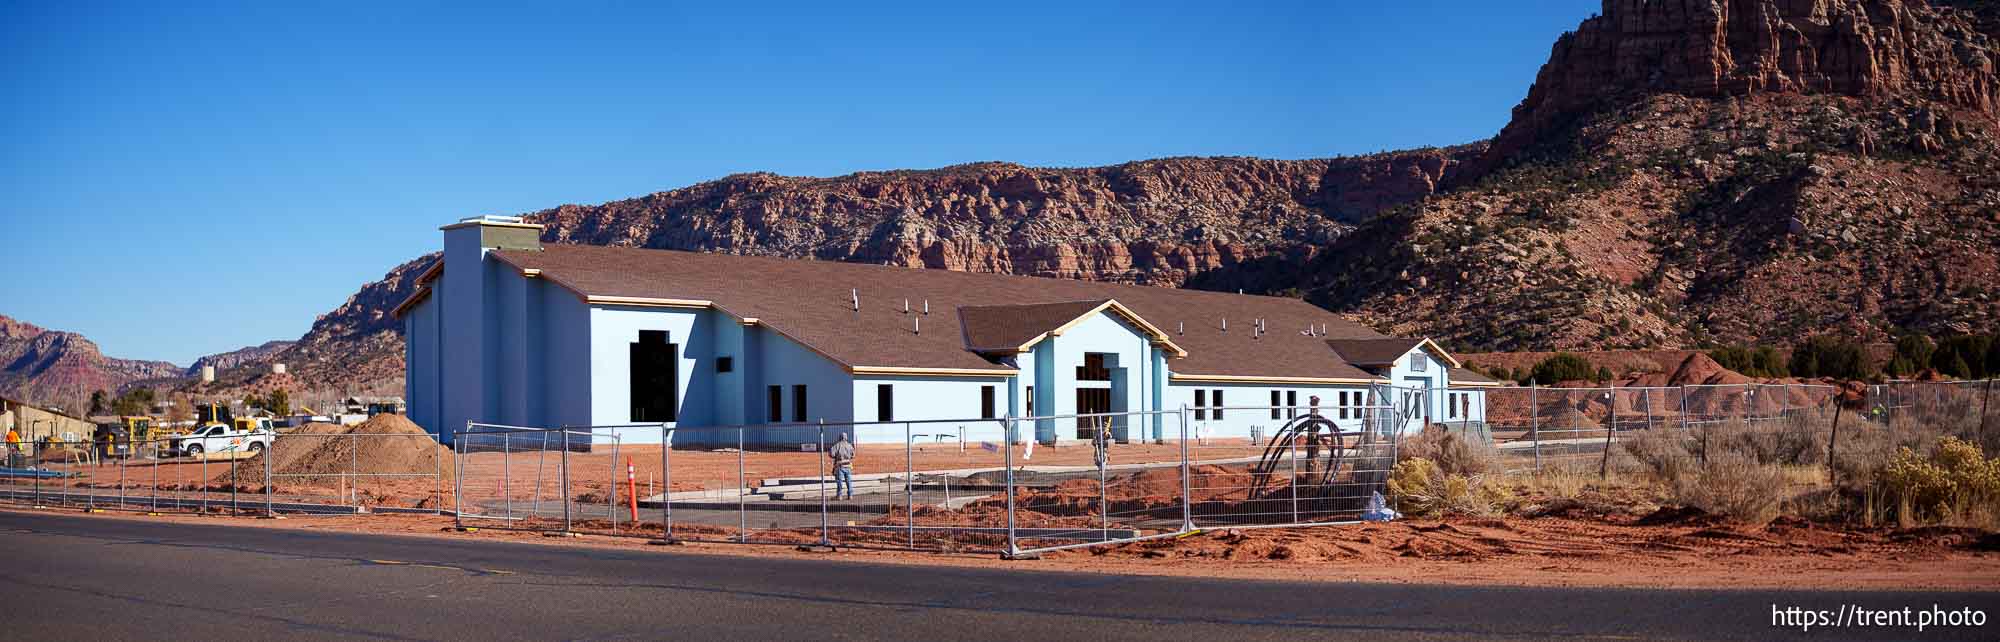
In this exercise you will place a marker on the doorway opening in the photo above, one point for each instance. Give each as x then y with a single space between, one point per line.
655 377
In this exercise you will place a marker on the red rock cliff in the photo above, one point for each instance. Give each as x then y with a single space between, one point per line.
1710 48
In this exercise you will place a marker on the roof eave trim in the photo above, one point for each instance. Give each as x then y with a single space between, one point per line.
463 224
1268 379
647 302
929 372
1159 337
423 292
1439 350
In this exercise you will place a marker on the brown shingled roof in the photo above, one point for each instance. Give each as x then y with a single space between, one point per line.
809 302
1002 328
1464 377
1373 352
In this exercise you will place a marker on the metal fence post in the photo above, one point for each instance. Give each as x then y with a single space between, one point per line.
742 514
820 460
458 475
1294 449
268 454
506 477
1832 473
1187 485
121 474
437 477
666 482
611 494
353 469
1985 401
1007 444
1103 489
1535 422
204 479
1604 464
235 465
909 484
156 476
563 486
541 466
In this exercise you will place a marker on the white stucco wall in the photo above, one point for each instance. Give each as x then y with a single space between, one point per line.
923 398
1128 353
613 329
420 356
1248 411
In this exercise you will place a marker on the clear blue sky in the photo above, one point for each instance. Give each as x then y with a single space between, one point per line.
182 178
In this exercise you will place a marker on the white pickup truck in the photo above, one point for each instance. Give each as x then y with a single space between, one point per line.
218 438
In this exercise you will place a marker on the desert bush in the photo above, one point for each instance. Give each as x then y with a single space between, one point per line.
1453 453
1796 441
1956 483
1422 489
1661 455
1563 366
1734 485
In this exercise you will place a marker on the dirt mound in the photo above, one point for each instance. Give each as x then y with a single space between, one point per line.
1699 369
317 454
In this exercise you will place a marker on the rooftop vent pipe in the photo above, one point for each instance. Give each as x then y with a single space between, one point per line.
927 306
854 298
918 328
906 305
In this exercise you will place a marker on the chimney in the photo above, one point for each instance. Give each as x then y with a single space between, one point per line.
467 302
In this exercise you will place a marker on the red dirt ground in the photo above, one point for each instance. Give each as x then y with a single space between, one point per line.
1547 551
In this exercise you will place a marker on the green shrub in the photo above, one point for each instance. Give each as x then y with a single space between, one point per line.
1964 356
1563 366
1915 350
1831 356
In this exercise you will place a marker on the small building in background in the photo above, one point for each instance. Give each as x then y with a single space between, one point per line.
35 423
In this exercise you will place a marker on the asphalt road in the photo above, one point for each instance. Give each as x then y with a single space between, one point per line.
76 577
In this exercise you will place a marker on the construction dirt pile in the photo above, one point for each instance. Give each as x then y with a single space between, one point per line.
319 454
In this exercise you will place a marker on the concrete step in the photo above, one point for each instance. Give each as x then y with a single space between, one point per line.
709 495
813 492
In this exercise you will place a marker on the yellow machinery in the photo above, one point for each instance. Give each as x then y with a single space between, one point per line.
119 438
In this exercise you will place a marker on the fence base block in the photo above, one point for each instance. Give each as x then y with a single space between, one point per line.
562 534
665 542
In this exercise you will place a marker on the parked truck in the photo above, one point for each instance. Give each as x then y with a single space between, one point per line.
218 438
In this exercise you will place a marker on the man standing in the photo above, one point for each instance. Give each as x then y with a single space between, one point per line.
1312 435
842 454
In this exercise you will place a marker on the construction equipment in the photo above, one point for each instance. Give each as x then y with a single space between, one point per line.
1337 472
213 413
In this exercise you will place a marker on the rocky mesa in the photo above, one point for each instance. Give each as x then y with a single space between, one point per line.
1680 172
